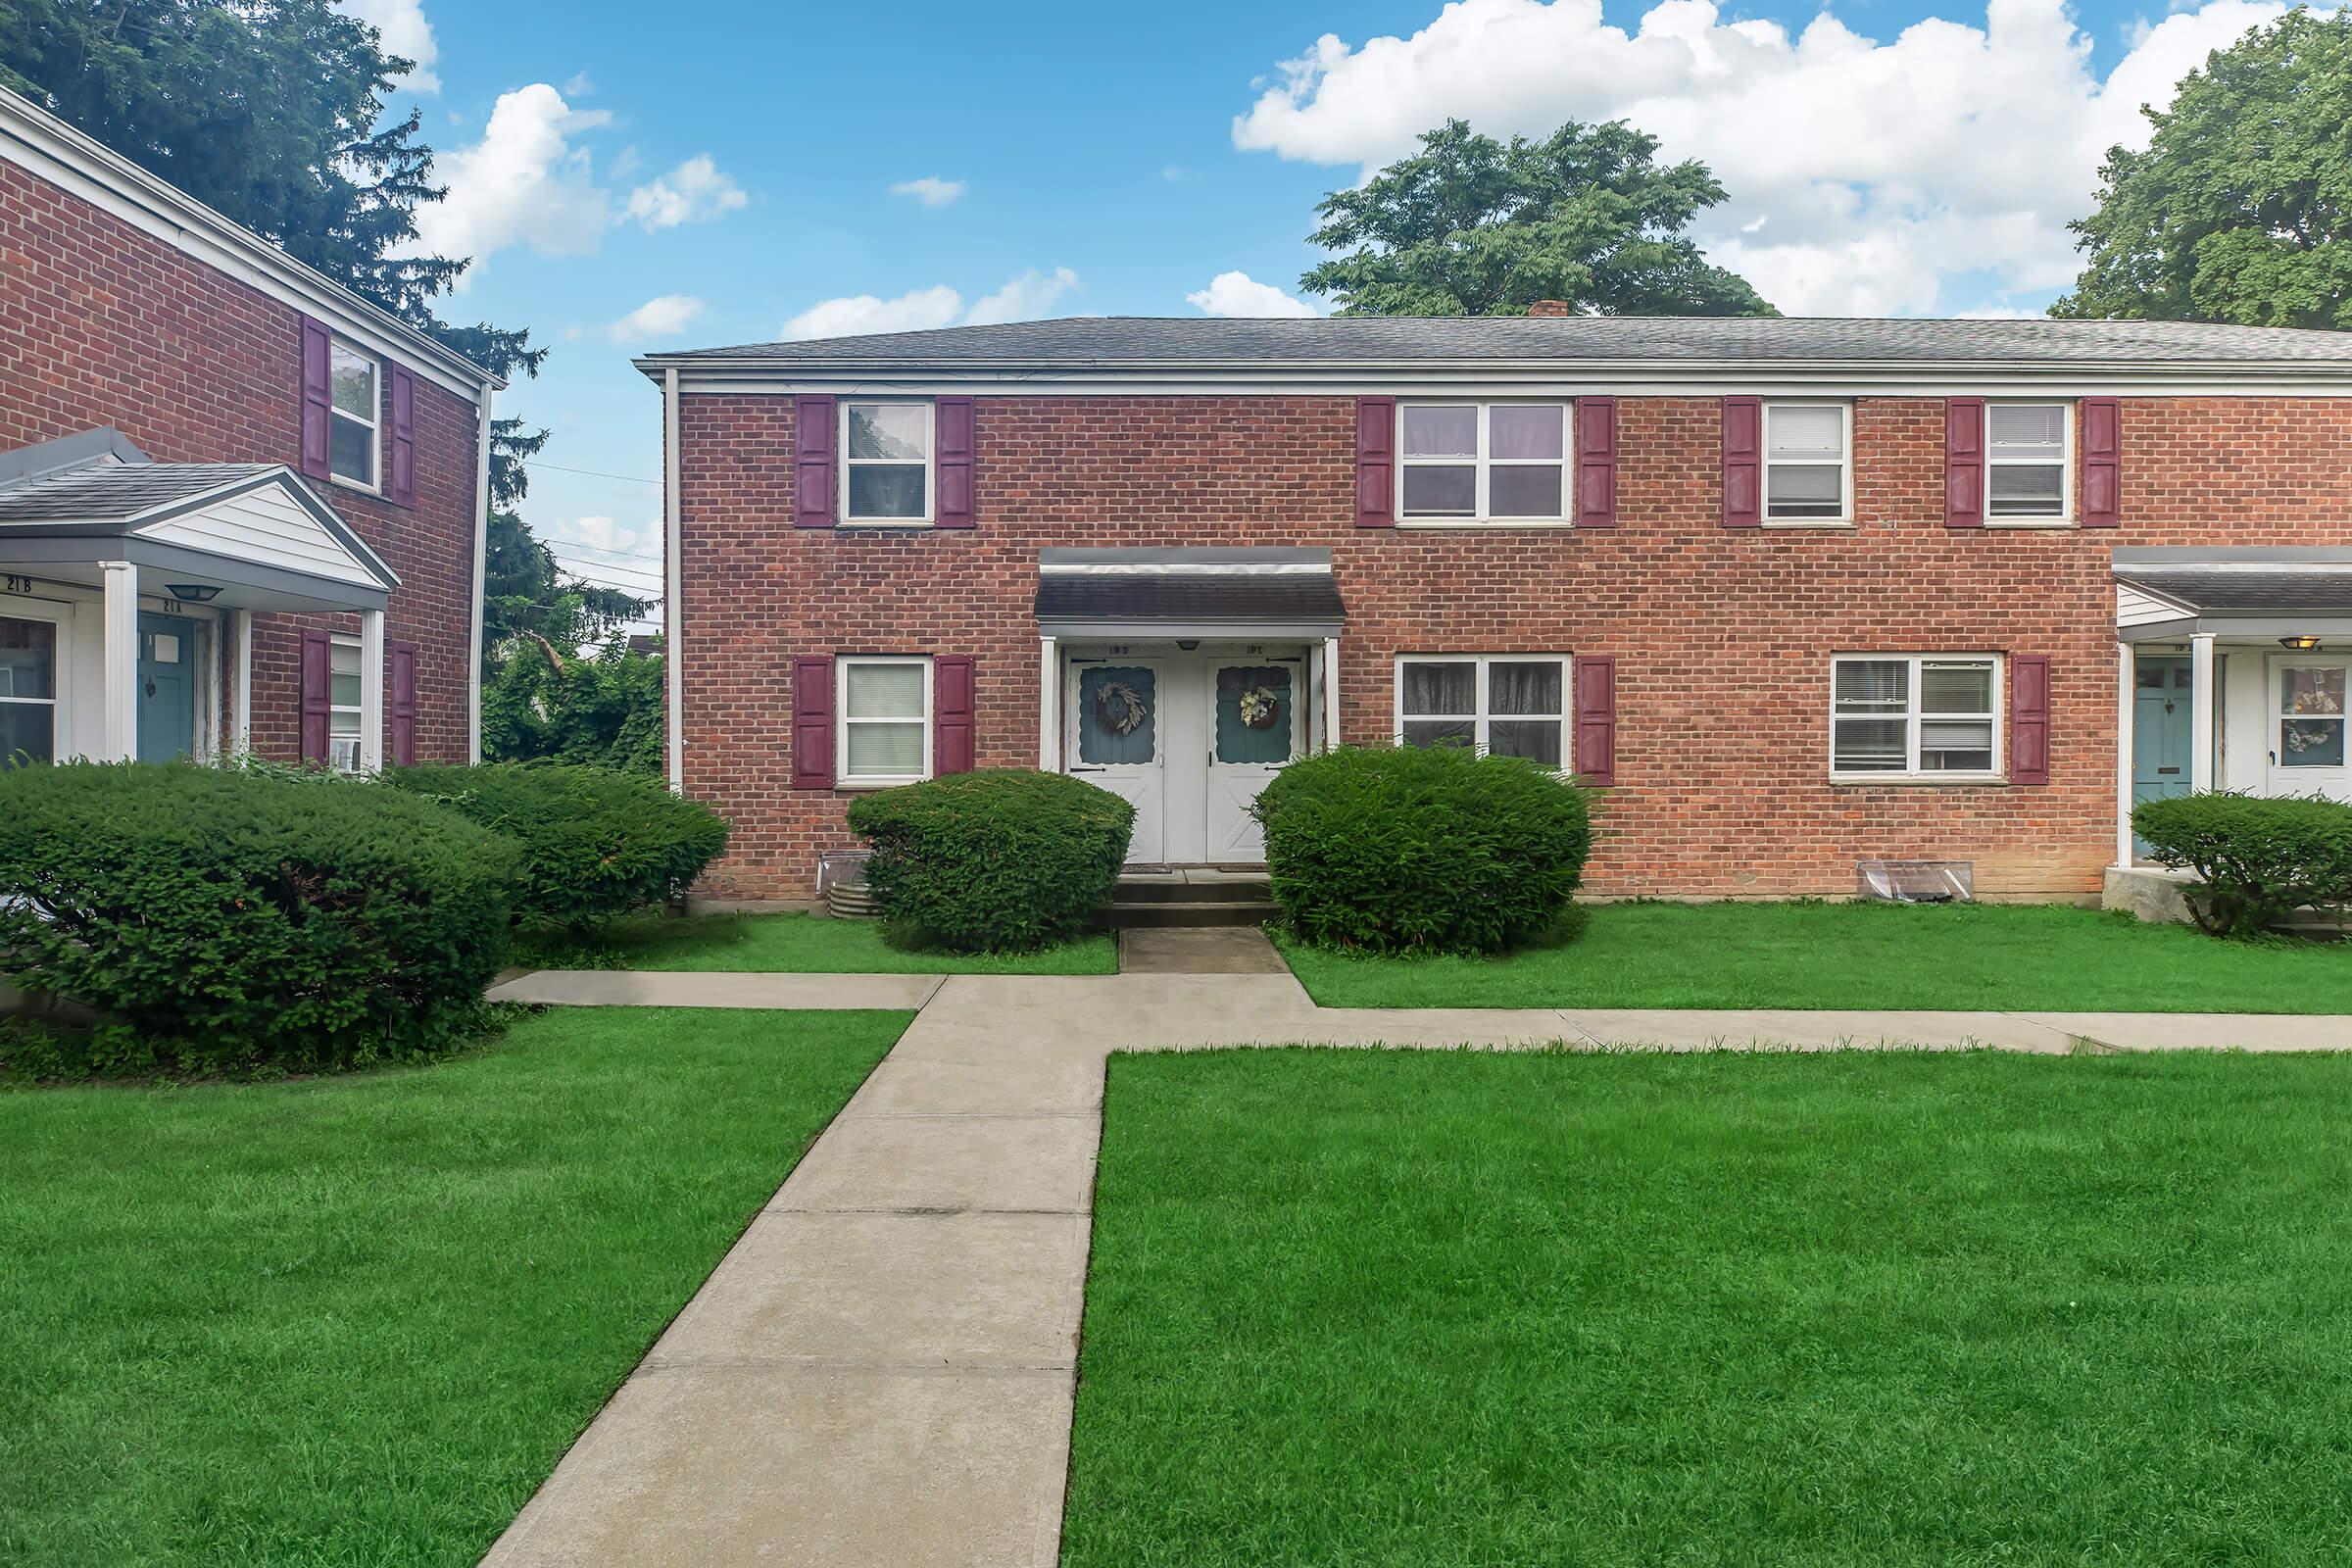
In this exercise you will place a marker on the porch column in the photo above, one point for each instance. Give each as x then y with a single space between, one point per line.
1331 692
371 690
2127 711
1049 706
118 736
2203 698
240 724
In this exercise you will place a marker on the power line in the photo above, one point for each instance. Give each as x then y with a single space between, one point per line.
593 474
582 544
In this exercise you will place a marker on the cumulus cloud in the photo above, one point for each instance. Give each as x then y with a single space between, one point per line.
665 315
405 32
930 190
693 191
606 534
1239 294
1025 298
523 182
1866 177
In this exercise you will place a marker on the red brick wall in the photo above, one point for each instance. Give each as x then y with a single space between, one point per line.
103 324
1723 638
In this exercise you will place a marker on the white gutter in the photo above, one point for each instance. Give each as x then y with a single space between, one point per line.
481 585
673 579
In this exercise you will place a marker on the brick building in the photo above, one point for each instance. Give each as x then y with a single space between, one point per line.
240 508
1797 593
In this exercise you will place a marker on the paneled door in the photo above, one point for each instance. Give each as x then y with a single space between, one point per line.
167 696
2307 719
1118 739
1256 727
2160 710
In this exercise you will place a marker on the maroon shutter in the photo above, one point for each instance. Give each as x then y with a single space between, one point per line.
2102 462
813 426
1743 462
2029 718
400 469
318 692
812 721
1964 462
1595 759
953 739
952 420
1596 463
318 398
402 709
1375 462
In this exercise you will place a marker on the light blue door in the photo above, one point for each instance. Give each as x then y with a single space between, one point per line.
2160 699
167 688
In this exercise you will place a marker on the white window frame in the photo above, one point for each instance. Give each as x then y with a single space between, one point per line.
1912 772
843 778
357 710
1846 465
1484 715
60 651
1481 465
2065 514
373 484
930 464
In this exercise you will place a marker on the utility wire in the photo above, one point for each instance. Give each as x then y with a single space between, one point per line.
593 474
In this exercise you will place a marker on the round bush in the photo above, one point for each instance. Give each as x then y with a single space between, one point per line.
2260 860
1422 849
596 843
230 920
994 861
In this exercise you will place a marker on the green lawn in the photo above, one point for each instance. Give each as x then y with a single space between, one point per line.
2007 957
1407 1308
799 943
356 1320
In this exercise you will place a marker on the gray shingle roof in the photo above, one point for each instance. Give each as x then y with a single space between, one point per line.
1128 340
2312 589
112 492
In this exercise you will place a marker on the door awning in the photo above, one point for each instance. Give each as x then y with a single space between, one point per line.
2165 594
1188 593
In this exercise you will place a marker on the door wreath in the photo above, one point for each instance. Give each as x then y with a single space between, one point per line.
1120 708
1261 705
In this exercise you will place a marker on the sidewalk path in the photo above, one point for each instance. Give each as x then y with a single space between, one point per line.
882 1370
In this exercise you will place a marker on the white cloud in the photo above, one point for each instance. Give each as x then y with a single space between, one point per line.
404 32
603 533
930 190
579 85
666 315
1887 170
695 190
1025 298
1239 294
523 183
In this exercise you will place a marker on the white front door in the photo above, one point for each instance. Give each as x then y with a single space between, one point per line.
2306 722
1118 739
1255 726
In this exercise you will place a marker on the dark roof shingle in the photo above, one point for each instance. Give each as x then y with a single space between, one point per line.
112 492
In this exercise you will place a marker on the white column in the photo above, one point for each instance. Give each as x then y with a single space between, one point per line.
481 564
673 583
1331 691
1049 706
2127 712
240 734
118 740
2204 698
371 690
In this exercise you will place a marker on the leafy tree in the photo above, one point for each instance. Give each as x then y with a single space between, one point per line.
1473 226
605 708
2240 208
525 594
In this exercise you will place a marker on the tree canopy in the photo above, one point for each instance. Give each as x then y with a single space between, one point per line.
2237 210
1473 226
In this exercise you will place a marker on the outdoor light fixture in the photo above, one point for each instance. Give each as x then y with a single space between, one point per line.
193 593
1188 644
2301 644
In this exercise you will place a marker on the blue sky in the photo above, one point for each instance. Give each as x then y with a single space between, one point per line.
724 173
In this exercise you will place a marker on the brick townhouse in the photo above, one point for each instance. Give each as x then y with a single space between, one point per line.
240 508
1794 593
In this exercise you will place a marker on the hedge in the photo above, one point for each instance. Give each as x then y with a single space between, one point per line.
227 920
595 843
998 861
2259 859
1422 849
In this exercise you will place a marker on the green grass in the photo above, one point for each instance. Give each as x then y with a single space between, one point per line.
1971 956
799 944
355 1321
1407 1308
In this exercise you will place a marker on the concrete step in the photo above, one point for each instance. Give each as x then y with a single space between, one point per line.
1224 888
1128 915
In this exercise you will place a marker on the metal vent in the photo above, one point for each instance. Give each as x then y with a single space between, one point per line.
1917 881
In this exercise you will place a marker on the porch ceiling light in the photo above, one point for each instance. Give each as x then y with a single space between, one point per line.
193 593
2302 644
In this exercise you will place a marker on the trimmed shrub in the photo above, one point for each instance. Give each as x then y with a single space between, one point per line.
2260 860
999 861
1422 849
231 922
596 843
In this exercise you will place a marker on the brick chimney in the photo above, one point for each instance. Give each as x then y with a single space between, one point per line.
1552 308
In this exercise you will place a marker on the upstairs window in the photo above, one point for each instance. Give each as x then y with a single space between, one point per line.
1808 471
1923 717
1481 461
351 447
2027 447
886 462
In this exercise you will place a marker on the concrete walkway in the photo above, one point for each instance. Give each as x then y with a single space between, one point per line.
881 1371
